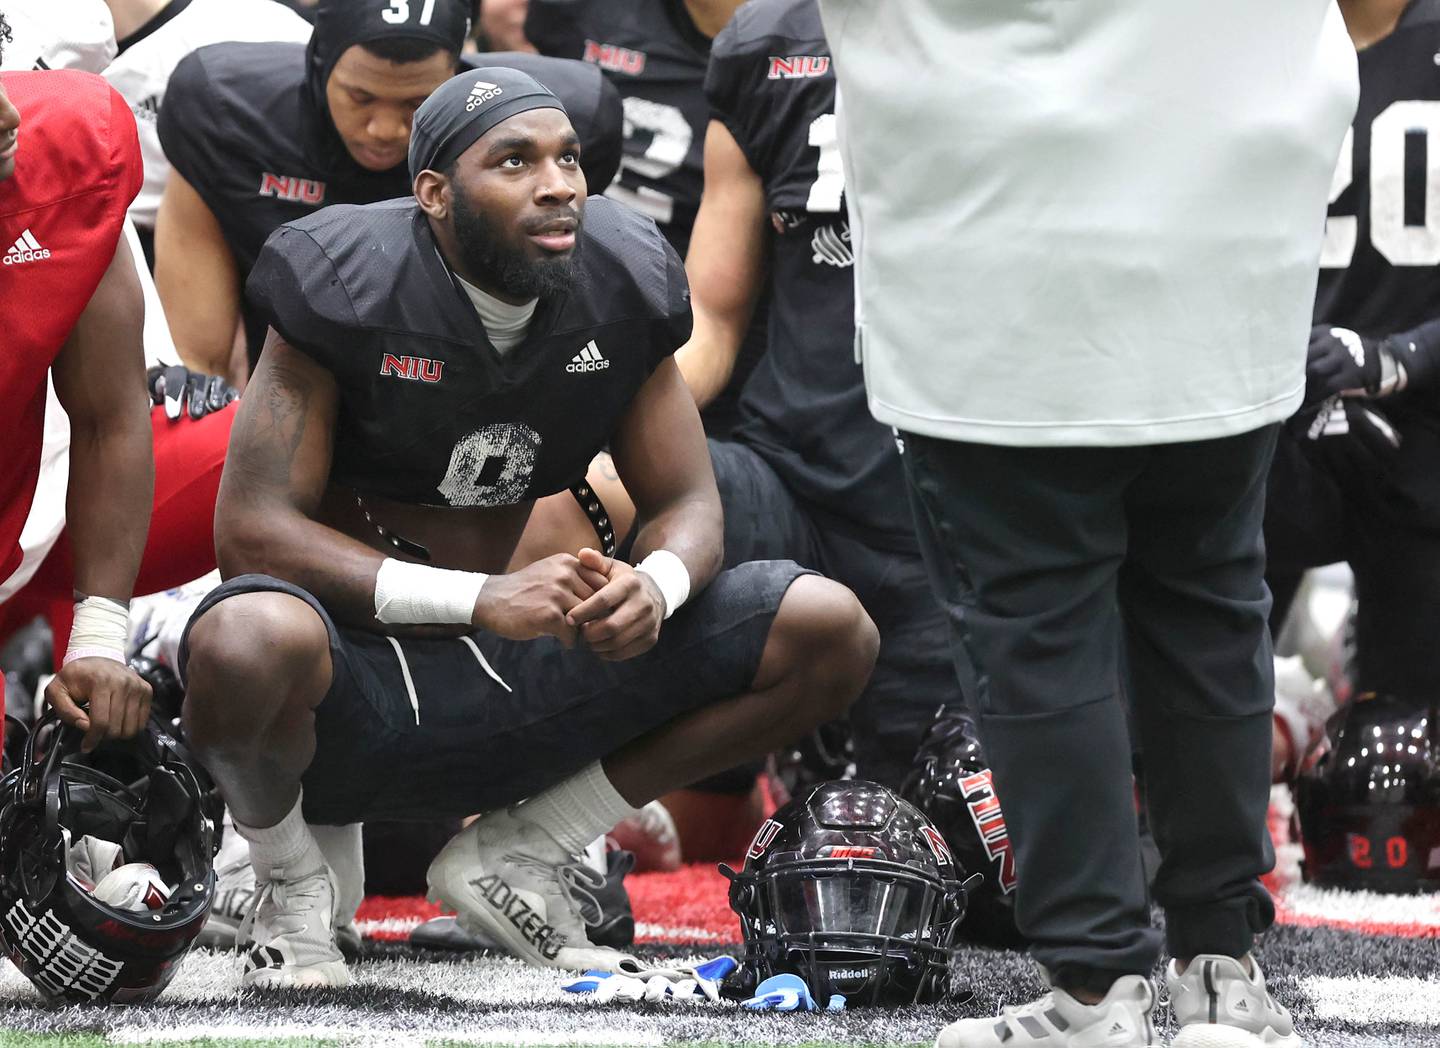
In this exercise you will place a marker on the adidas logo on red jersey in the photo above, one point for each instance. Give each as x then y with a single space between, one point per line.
25 249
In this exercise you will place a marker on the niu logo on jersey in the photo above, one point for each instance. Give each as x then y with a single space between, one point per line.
614 58
979 793
798 67
417 369
289 187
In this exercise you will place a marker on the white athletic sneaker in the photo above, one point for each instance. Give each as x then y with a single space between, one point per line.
1218 1006
1057 1020
508 881
344 851
234 892
650 833
287 936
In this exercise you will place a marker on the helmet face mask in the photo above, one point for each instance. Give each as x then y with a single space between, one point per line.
1369 811
850 888
141 795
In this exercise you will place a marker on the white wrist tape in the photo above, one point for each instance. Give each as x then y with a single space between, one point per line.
99 631
417 593
671 575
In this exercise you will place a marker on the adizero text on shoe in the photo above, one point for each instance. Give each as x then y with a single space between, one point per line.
287 939
234 892
1219 1005
1057 1020
510 883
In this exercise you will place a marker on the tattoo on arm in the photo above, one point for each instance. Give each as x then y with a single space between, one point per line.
268 439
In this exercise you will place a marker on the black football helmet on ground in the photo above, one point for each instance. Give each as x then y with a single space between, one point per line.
1369 811
852 889
140 794
950 782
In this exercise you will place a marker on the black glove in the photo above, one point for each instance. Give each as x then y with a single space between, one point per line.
1352 365
183 390
1351 432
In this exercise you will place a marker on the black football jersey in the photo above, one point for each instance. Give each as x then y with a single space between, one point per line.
429 412
804 408
654 55
1380 263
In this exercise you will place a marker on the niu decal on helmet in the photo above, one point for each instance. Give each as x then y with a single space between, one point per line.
950 782
852 889
106 869
1369 810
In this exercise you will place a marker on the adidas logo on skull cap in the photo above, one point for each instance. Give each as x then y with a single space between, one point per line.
481 93
463 108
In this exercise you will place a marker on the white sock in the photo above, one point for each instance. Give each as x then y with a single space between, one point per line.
288 845
578 810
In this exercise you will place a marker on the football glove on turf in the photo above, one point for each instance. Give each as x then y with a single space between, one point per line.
1343 362
181 390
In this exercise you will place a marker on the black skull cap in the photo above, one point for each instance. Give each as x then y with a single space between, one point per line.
468 105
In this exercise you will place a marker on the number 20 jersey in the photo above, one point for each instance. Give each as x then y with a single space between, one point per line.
1378 264
429 412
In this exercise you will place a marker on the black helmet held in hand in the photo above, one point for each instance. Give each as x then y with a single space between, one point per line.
140 803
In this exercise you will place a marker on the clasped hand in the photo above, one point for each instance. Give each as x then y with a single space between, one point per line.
593 599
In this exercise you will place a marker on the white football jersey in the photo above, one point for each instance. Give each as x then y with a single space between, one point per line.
1087 222
141 72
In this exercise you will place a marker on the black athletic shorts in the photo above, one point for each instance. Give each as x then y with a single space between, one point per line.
916 672
428 728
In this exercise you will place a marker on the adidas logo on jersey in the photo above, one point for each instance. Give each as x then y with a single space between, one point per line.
27 249
482 93
588 359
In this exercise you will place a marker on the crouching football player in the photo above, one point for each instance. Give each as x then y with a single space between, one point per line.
435 365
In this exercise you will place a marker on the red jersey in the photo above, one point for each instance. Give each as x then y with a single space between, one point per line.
76 171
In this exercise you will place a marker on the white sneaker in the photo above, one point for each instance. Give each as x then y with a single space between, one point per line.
287 936
1217 1005
650 833
508 881
1057 1020
344 851
234 891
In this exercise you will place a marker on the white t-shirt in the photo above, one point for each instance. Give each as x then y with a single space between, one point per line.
142 71
1087 222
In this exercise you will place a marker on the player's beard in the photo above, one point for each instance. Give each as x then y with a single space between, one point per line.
492 259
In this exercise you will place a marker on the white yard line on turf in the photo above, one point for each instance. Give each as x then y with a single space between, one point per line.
499 1035
1396 999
